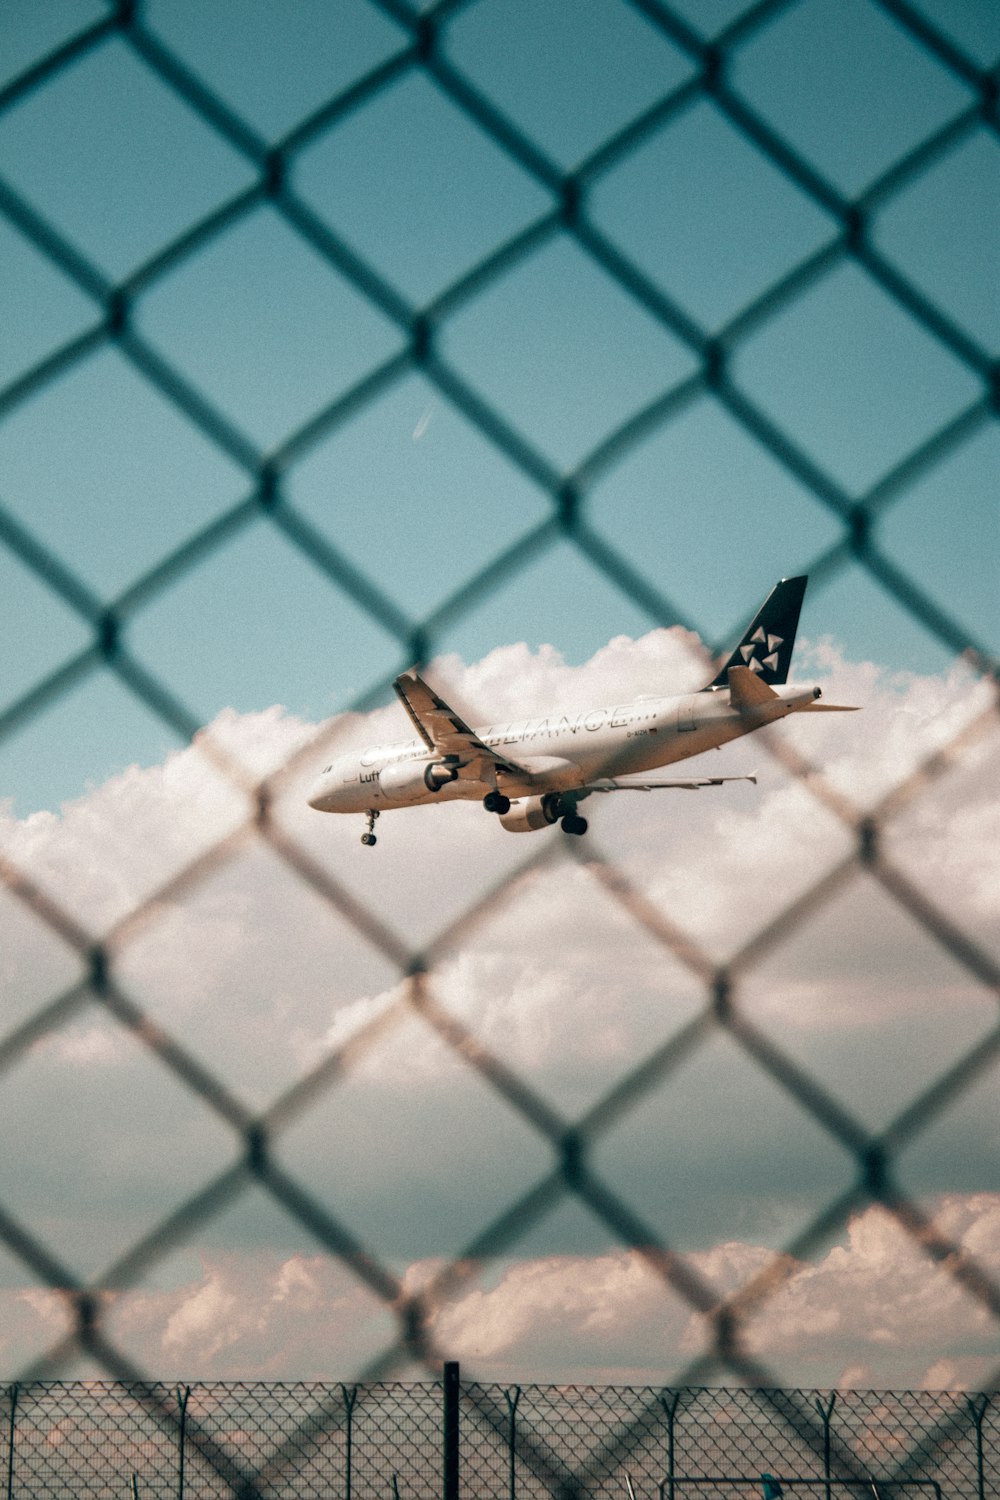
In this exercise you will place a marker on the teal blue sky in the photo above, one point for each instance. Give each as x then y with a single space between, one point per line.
707 207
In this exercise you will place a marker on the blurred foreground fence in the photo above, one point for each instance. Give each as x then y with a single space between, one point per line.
359 1442
83 1440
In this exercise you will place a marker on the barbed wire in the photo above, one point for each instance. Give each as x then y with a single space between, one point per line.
423 52
309 1438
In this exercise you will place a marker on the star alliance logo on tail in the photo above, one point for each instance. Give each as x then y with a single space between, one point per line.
766 646
770 643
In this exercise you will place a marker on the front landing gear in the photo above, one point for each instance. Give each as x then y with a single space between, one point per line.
368 838
496 802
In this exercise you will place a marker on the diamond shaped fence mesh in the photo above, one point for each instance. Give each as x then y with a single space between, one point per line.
533 1440
383 1439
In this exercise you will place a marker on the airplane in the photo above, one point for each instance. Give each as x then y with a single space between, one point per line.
534 772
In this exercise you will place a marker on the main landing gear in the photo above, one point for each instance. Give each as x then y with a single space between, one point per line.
368 838
496 802
563 809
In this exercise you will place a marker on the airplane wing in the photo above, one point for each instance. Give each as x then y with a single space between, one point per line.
610 785
443 730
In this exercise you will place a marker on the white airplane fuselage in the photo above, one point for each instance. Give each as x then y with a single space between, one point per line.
556 753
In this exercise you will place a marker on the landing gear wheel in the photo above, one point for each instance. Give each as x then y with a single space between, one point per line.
368 838
496 802
574 824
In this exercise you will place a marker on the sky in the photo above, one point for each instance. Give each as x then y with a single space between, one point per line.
275 347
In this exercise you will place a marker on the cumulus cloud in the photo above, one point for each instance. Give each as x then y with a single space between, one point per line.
254 1315
874 1298
878 1296
872 1310
262 979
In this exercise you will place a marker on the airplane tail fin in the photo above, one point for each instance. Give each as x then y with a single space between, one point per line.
766 647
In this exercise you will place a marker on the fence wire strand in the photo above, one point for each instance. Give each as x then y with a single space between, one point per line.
291 1439
308 1439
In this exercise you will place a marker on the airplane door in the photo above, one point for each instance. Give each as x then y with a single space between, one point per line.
685 714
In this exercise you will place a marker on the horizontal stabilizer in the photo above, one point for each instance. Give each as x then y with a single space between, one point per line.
756 702
750 694
829 708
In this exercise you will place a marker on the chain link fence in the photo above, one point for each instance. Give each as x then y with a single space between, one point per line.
533 1441
287 1435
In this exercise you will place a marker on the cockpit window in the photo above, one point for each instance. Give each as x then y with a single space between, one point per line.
327 769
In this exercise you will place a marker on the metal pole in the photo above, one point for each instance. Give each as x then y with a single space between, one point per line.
669 1411
977 1411
451 1389
13 1393
826 1414
512 1400
183 1396
349 1397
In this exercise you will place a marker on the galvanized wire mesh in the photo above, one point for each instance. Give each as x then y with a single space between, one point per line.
358 1441
109 619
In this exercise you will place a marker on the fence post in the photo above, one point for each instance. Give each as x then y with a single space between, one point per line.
512 1400
451 1381
13 1392
183 1396
977 1411
669 1411
825 1414
349 1397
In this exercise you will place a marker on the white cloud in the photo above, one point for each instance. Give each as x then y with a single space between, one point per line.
873 1310
250 1315
260 979
109 849
205 1323
875 1293
879 1295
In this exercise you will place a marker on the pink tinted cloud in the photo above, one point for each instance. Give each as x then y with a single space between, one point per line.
873 1310
260 979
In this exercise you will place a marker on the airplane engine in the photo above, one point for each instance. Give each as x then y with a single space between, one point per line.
530 813
409 778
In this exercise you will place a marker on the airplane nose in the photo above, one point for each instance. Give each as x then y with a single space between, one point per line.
316 797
